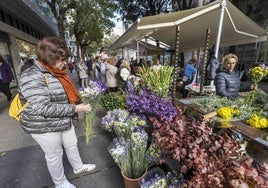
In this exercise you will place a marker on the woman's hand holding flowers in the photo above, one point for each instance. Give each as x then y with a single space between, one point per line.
254 86
83 108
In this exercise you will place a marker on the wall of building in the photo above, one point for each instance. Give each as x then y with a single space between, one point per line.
20 32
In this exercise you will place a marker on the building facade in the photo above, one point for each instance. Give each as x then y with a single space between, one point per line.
22 25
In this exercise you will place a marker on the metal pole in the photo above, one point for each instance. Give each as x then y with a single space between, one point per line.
223 5
138 52
202 82
175 71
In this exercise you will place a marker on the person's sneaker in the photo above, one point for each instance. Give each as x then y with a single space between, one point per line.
85 169
65 184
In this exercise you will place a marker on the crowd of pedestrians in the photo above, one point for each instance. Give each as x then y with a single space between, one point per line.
115 73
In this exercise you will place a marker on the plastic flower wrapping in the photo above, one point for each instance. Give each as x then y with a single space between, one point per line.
130 154
91 95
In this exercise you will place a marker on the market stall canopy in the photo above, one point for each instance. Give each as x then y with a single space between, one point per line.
237 28
146 48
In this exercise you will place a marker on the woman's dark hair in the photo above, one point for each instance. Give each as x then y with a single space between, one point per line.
2 59
50 49
192 61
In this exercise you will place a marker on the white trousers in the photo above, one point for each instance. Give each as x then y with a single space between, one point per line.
51 144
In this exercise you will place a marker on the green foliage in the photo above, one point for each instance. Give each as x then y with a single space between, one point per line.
91 21
157 81
131 10
257 98
214 103
113 101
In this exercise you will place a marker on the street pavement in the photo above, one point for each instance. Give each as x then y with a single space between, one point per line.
22 162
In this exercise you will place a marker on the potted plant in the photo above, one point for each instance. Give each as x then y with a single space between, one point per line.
130 149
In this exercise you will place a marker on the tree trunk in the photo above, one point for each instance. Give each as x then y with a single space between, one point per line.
61 31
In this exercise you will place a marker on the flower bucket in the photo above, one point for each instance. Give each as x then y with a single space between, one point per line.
133 183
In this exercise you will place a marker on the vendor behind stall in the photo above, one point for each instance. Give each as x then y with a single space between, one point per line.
227 80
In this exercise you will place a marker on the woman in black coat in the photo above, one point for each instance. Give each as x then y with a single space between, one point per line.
227 80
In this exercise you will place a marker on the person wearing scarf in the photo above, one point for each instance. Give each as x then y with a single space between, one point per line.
53 100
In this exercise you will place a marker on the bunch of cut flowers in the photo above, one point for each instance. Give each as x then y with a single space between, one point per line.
91 95
158 81
122 122
256 74
226 113
130 154
258 121
147 103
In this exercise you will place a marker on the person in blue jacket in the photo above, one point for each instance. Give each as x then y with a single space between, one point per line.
188 75
227 80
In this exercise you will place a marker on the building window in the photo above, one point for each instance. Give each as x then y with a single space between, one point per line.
23 27
27 30
2 16
17 24
10 20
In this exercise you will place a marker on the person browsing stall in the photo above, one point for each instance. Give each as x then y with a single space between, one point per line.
227 80
188 75
52 101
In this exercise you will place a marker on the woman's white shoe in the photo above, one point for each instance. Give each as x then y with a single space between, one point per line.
85 169
65 184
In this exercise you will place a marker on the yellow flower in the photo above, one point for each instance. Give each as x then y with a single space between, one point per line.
257 73
263 122
257 122
225 124
227 112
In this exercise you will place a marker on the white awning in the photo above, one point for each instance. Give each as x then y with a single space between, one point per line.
146 48
237 28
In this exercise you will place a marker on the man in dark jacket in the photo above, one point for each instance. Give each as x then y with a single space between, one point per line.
6 76
227 80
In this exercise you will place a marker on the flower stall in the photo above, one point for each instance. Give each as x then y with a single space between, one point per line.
151 130
246 115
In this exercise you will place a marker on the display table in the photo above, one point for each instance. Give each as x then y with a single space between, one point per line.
194 89
258 135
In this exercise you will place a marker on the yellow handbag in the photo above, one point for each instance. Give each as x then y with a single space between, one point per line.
16 107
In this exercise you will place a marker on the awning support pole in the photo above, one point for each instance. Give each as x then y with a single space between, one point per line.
203 74
176 60
138 52
223 5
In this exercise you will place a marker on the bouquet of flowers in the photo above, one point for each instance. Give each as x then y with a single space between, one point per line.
257 73
112 117
122 123
91 95
157 81
258 122
130 154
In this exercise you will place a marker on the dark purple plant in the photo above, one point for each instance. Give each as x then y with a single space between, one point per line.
146 103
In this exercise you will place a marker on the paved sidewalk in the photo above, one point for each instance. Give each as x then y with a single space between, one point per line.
22 162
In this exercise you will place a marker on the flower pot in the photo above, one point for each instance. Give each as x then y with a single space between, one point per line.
133 183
